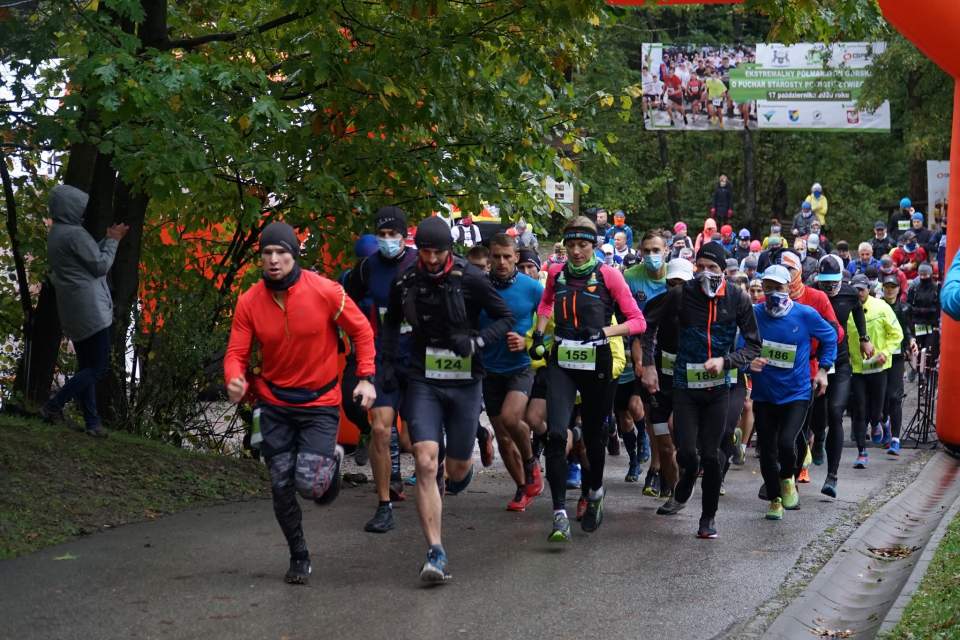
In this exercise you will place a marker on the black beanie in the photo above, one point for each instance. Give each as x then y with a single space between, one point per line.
714 252
280 234
529 255
393 218
433 233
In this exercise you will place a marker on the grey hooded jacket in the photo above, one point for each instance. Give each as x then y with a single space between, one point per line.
78 266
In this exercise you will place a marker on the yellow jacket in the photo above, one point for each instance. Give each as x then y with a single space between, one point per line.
819 206
884 331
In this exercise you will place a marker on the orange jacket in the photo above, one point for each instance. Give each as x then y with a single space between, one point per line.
298 341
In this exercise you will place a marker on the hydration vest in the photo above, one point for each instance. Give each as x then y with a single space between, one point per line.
582 308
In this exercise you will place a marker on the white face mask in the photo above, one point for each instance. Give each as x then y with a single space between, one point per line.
709 282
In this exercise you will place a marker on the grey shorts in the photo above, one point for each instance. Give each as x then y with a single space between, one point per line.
496 386
298 429
434 411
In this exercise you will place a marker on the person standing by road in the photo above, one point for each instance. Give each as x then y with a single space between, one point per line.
293 315
78 270
721 206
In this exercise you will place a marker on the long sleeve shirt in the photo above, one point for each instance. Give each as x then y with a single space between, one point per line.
885 334
950 293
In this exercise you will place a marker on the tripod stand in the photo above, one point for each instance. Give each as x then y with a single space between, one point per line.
921 427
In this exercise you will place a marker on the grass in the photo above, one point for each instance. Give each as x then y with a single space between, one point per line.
934 610
57 484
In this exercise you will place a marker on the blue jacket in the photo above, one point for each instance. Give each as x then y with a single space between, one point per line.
614 230
858 266
950 292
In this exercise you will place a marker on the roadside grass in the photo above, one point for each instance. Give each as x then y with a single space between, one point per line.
56 484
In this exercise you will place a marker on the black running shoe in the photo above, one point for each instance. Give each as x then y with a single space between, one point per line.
382 520
651 484
299 571
707 530
830 487
334 489
593 516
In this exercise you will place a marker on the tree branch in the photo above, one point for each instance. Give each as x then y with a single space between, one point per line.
190 43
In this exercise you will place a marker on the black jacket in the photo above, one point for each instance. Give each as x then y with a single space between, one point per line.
722 199
847 301
882 246
924 301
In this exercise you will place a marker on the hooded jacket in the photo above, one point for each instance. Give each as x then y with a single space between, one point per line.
78 266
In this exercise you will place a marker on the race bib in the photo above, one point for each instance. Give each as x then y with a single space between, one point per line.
779 354
667 362
732 377
903 225
572 354
443 364
872 365
699 378
922 329
717 102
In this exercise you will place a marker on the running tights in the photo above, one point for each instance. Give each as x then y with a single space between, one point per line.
868 397
699 421
777 427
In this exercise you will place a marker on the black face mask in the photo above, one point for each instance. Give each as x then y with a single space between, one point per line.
506 282
285 282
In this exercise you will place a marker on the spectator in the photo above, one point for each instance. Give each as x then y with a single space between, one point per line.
803 220
465 233
742 250
843 252
726 238
910 256
882 243
559 255
818 202
887 268
709 230
526 239
865 261
78 271
722 204
900 219
619 224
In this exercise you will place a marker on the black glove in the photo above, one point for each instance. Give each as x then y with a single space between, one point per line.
462 344
537 350
388 378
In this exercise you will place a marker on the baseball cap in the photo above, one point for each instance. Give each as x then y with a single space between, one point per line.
774 241
749 262
790 260
680 270
805 206
813 242
843 245
831 269
879 224
925 269
732 263
726 230
777 273
891 279
860 281
744 233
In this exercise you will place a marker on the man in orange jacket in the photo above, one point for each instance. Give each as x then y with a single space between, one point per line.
293 316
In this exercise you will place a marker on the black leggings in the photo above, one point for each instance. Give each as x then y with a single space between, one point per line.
777 426
828 416
893 407
869 393
738 395
699 421
596 402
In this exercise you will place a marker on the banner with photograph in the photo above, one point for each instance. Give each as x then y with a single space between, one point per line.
938 188
763 86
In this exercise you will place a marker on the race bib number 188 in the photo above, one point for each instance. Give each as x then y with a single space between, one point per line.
699 378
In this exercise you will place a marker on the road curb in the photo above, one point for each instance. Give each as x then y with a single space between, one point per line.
858 590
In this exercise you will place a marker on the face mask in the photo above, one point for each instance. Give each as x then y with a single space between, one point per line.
709 282
653 262
911 247
830 288
755 254
816 194
390 247
873 283
778 304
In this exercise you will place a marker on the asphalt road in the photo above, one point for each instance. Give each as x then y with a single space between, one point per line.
216 573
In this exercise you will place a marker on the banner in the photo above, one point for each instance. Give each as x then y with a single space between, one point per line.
938 188
763 86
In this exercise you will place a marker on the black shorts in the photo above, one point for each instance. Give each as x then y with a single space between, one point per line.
496 386
539 390
298 429
625 391
443 413
660 407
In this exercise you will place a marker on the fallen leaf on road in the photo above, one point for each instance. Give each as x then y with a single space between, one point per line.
895 552
830 633
66 556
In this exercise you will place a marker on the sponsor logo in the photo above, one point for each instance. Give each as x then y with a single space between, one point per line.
769 115
817 116
794 115
853 116
779 57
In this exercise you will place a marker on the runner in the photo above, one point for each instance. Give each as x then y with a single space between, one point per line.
293 316
369 286
923 299
893 406
509 379
828 409
708 314
441 297
869 374
781 383
581 296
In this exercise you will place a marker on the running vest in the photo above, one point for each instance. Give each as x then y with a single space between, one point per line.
427 301
582 305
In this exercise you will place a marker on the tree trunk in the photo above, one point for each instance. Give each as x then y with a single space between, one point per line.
749 179
671 185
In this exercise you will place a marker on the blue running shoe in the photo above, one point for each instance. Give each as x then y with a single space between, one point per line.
887 435
894 449
876 434
633 472
644 453
573 475
434 570
862 461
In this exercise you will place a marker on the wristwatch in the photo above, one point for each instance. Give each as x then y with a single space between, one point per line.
367 379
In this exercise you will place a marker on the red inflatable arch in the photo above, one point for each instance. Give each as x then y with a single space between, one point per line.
932 25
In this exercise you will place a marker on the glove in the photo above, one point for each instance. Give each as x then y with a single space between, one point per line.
462 344
537 350
388 378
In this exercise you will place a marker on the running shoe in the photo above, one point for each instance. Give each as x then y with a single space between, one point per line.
666 492
819 453
299 571
887 434
707 530
362 455
644 447
520 500
762 493
723 489
788 494
485 440
829 487
561 528
593 515
613 445
382 520
894 449
434 570
581 508
737 437
862 461
396 491
633 473
334 489
573 475
807 459
97 431
535 486
775 510
804 476
671 507
740 457
876 434
651 484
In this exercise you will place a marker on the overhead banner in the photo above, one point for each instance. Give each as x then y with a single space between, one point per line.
763 86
